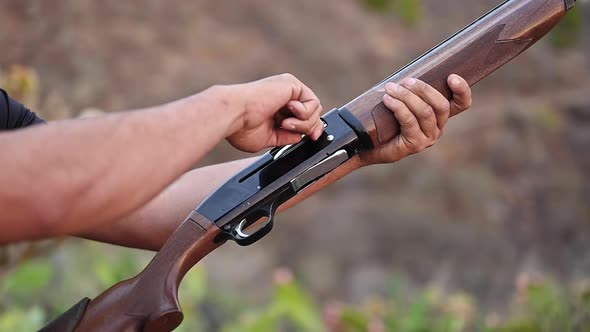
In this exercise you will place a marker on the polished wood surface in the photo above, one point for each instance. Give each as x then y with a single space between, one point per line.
474 53
149 301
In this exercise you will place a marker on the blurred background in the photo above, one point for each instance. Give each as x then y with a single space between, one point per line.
487 231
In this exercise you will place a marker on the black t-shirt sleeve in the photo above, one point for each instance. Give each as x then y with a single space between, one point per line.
14 115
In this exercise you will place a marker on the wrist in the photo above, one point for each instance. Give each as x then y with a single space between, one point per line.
224 99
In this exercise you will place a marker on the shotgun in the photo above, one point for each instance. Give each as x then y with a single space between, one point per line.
149 301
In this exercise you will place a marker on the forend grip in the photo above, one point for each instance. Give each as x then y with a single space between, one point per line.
473 53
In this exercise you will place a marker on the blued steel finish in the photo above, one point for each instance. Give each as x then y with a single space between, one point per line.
261 188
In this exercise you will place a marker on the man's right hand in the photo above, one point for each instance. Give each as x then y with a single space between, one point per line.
275 112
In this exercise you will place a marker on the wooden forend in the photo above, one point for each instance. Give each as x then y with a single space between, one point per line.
473 53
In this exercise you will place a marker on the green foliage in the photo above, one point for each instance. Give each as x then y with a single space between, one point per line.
549 307
18 319
110 271
22 83
30 298
27 280
545 307
291 305
568 33
193 292
410 11
379 5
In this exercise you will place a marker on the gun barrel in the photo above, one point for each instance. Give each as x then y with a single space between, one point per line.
473 53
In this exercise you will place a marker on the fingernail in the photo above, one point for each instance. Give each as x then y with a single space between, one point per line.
400 89
455 80
291 108
410 81
390 86
387 98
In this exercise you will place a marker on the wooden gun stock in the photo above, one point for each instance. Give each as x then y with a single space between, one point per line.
473 53
149 301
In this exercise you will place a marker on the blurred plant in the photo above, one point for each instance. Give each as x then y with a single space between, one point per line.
17 289
22 83
379 5
27 280
545 307
410 11
291 306
19 319
31 295
568 33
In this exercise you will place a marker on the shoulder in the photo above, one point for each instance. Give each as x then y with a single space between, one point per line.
3 110
15 115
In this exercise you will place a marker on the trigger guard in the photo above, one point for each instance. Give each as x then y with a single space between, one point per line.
253 238
243 239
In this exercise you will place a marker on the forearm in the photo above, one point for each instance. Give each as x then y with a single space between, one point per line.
72 175
152 225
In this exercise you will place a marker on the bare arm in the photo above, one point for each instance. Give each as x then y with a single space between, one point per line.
150 227
75 175
70 175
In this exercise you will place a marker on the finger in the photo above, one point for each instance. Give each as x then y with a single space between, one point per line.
437 102
286 137
299 110
309 100
409 126
282 114
423 113
306 127
461 94
311 110
301 92
317 131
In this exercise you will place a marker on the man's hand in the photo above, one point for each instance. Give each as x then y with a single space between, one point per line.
422 113
276 111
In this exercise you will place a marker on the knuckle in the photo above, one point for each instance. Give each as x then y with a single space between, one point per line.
392 103
444 107
436 135
314 106
409 122
404 91
420 87
310 127
423 145
316 117
428 112
415 148
288 76
430 142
